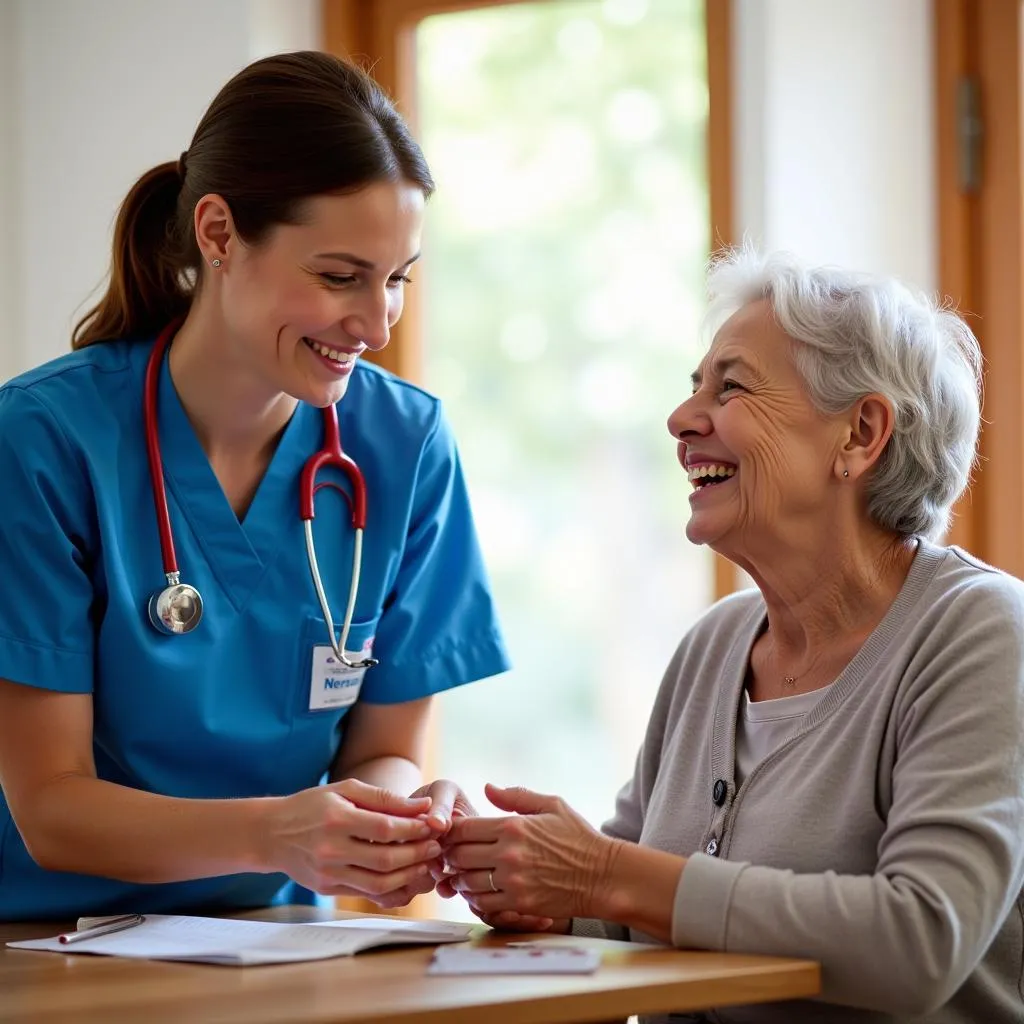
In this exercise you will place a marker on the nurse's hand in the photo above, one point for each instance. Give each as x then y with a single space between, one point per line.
447 805
351 839
447 802
546 862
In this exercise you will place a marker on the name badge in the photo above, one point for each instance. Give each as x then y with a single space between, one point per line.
332 684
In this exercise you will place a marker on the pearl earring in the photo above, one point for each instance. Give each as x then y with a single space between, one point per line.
846 472
215 263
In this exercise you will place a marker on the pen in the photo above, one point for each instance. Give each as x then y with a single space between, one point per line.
116 924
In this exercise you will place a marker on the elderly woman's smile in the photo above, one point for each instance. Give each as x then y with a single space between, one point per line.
765 461
704 474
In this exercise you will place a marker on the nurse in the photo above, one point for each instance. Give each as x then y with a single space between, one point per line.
211 769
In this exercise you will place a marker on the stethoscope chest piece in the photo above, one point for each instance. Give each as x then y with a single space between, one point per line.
176 609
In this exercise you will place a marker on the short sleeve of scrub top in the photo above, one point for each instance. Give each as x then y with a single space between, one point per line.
46 631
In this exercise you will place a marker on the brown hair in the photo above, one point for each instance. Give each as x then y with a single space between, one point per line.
284 129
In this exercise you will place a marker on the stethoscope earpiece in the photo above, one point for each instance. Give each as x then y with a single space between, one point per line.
176 609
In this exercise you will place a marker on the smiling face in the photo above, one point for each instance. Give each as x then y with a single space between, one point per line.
761 457
300 307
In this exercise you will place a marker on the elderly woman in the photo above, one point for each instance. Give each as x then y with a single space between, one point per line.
834 766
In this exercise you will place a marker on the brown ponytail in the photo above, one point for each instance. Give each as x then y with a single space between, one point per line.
284 129
147 288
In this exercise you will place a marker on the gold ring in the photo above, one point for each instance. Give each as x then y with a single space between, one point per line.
490 879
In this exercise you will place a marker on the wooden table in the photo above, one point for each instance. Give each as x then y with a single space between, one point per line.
376 986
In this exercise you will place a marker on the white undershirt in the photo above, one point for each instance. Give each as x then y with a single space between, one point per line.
764 725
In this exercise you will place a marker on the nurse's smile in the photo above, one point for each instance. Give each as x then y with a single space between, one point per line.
338 361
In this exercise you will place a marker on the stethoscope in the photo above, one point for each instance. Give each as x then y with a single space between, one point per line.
178 608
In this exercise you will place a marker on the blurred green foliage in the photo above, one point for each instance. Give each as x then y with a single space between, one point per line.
563 277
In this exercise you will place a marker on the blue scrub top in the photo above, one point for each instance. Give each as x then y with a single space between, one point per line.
223 711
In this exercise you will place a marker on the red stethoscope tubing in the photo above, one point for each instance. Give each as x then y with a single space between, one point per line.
156 463
330 454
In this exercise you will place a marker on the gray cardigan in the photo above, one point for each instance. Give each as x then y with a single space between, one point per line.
885 838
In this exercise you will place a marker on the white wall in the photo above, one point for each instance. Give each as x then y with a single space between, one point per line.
834 134
92 95
10 231
281 25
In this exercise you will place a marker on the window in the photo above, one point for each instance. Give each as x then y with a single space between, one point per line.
558 317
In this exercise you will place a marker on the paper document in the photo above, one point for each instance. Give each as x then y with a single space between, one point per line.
514 960
216 940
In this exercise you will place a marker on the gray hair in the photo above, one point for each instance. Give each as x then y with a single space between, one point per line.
860 335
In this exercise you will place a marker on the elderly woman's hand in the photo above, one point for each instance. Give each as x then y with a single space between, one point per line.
510 921
544 862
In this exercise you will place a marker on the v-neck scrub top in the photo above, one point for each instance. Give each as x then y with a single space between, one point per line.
223 711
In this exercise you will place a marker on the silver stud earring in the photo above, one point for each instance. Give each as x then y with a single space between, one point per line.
215 263
846 472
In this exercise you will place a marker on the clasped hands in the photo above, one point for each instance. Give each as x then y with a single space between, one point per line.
531 870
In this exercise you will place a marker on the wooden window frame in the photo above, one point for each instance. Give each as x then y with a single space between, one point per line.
981 251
